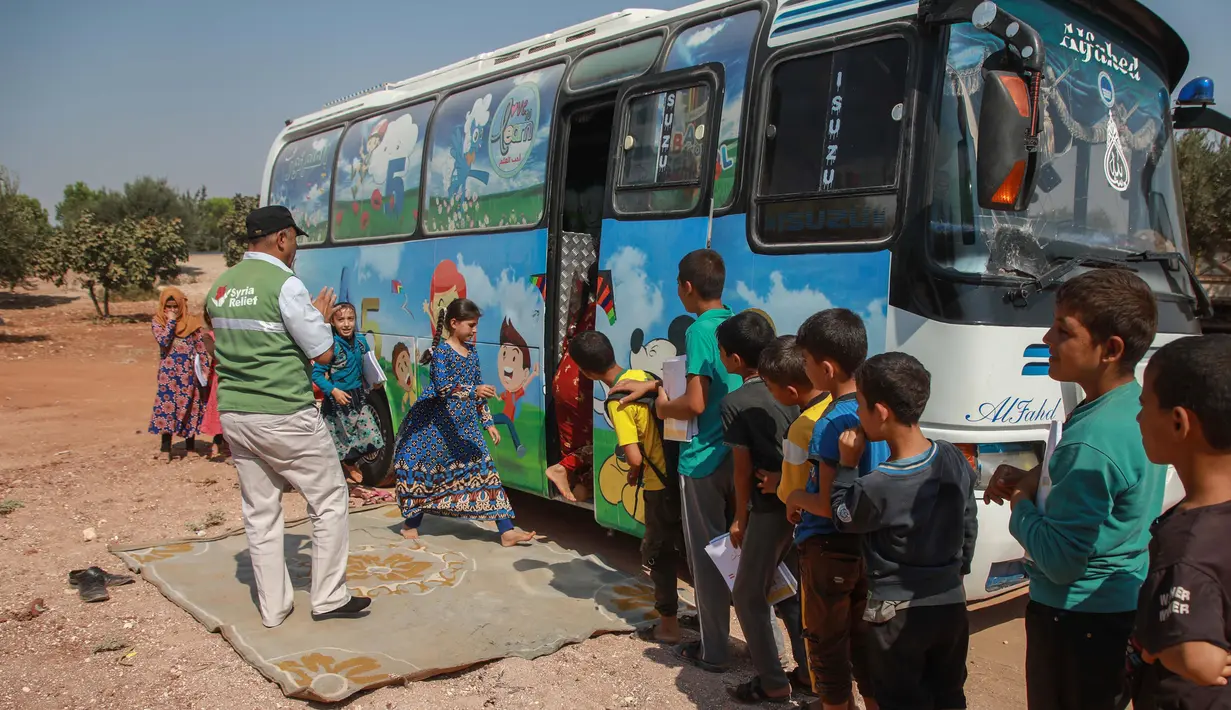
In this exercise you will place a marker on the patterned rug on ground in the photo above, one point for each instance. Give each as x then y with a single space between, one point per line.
450 600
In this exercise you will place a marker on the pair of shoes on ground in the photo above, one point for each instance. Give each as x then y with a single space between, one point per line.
92 583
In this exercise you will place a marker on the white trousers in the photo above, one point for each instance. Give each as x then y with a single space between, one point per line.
270 450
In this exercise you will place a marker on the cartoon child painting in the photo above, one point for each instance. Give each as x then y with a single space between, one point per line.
404 374
366 150
516 373
447 286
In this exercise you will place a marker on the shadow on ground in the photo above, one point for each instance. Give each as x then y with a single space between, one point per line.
18 301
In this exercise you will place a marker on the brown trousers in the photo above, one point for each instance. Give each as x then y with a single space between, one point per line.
834 593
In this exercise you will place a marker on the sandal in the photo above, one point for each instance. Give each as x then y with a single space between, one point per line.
648 634
691 653
753 693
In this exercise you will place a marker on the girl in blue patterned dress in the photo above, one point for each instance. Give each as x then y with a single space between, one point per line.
442 462
348 416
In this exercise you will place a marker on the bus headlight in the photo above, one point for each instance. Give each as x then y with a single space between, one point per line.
986 458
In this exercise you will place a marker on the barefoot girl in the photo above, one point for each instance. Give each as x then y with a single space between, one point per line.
180 402
349 418
443 464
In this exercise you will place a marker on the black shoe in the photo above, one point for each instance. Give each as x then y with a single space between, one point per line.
352 609
91 585
190 446
110 580
165 447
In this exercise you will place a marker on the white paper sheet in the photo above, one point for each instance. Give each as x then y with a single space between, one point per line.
726 559
372 372
675 382
198 368
1053 439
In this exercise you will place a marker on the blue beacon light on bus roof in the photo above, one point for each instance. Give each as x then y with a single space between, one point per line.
1198 92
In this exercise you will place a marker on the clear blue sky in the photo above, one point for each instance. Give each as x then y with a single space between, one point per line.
195 92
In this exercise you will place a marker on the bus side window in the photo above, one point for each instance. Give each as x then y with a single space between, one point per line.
662 164
832 146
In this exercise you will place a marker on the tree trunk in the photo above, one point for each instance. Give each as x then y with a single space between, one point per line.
93 298
107 302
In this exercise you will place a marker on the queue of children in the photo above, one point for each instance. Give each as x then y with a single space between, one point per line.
807 446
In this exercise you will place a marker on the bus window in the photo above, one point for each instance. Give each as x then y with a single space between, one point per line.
833 138
301 179
378 173
615 64
488 165
662 163
727 41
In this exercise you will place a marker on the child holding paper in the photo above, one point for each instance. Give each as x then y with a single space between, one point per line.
348 416
754 425
705 464
1088 551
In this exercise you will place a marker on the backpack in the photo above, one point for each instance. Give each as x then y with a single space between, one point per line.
670 448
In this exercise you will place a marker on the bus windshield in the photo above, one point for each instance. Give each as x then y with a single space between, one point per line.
1107 178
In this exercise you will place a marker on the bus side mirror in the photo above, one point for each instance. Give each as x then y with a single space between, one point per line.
1006 161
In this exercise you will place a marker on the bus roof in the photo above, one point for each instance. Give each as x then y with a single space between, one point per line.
564 40
1130 15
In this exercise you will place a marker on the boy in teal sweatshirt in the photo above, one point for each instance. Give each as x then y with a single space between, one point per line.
1088 551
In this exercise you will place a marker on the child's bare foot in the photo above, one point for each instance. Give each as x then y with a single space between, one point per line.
410 533
668 630
516 537
558 475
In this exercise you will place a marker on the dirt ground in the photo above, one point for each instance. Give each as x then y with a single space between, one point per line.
75 398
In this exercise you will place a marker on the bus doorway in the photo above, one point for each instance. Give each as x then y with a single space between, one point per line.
573 255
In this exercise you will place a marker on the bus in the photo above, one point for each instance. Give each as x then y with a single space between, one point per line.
937 167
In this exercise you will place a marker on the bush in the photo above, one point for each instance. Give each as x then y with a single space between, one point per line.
23 232
231 227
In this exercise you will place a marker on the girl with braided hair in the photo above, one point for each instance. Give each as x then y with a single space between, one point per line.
442 463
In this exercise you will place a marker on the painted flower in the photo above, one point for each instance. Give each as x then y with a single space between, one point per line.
376 201
388 568
364 219
354 207
338 219
393 201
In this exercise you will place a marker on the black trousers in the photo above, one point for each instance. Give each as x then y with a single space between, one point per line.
662 546
917 659
1074 659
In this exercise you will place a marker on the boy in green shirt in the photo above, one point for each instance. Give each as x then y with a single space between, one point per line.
1088 550
706 470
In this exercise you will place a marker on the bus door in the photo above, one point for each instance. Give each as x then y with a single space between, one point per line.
659 207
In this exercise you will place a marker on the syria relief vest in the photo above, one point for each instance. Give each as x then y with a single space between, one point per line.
260 369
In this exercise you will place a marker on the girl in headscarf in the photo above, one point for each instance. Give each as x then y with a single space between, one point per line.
180 403
211 425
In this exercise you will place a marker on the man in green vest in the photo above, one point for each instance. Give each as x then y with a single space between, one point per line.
267 331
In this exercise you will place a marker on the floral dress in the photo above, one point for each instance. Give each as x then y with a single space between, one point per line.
442 462
179 405
354 426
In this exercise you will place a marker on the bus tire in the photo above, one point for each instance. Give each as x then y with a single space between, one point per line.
377 467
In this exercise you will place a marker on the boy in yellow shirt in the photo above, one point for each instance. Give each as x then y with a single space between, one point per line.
638 435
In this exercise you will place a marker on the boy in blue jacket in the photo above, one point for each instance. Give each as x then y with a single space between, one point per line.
1088 550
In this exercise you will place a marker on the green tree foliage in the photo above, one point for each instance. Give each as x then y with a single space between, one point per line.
78 199
1205 174
105 258
232 229
24 231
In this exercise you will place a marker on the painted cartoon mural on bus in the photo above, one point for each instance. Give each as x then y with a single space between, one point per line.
726 41
378 174
488 160
399 289
301 180
651 322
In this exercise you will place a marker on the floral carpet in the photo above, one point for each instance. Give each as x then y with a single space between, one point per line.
450 600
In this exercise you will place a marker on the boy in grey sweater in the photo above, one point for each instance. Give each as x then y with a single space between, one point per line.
916 512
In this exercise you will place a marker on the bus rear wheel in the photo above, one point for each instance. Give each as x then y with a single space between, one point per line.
377 467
